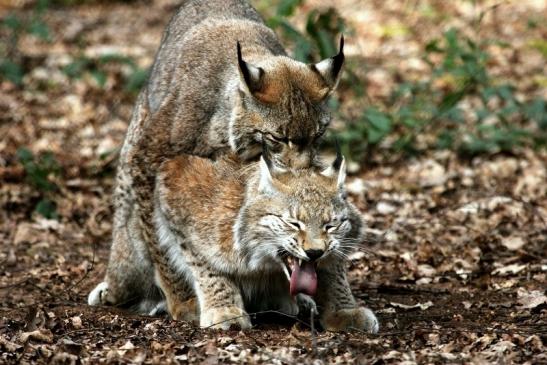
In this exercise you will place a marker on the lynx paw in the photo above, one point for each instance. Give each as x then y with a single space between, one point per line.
98 295
223 318
159 309
184 311
354 318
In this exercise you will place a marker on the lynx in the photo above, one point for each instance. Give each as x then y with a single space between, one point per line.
220 82
254 237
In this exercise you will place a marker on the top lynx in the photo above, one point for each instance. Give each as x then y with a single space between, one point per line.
227 82
220 81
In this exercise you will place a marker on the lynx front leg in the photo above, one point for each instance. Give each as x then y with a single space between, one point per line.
337 305
221 304
220 301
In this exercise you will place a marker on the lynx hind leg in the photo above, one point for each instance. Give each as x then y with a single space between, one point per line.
129 276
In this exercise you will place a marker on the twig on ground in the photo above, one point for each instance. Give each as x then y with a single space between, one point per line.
313 335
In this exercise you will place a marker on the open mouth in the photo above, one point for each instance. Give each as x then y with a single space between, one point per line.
301 275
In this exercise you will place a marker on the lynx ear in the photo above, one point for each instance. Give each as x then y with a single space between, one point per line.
337 168
330 69
252 76
265 184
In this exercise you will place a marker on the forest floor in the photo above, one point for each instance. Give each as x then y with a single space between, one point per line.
455 267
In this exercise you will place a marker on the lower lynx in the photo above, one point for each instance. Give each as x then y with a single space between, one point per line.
250 238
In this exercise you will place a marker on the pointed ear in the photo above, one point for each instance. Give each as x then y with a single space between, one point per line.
341 180
265 183
337 170
331 68
252 77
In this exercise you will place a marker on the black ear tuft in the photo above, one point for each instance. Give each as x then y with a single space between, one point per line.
240 61
338 60
339 158
330 69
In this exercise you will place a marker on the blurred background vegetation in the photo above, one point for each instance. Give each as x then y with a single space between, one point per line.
451 98
457 81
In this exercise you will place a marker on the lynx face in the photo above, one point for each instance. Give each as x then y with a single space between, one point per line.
298 220
283 102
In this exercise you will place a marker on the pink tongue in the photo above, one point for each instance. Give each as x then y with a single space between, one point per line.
304 279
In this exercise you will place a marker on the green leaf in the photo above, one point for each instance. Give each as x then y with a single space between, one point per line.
38 170
326 45
77 67
433 47
12 21
290 32
39 29
454 114
476 145
482 113
405 143
24 155
136 80
47 209
379 125
41 6
506 92
11 71
450 100
537 110
303 50
540 45
286 8
99 76
445 139
116 58
49 163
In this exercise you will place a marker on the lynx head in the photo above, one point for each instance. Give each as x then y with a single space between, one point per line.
283 102
298 219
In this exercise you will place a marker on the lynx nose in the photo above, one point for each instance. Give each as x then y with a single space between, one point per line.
314 254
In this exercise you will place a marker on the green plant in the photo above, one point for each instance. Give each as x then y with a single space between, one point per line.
39 172
321 36
10 68
81 65
434 106
437 106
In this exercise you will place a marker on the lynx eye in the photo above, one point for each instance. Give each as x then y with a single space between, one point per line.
330 227
334 225
277 139
295 224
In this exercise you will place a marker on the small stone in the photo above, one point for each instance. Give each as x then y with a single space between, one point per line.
513 243
385 208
